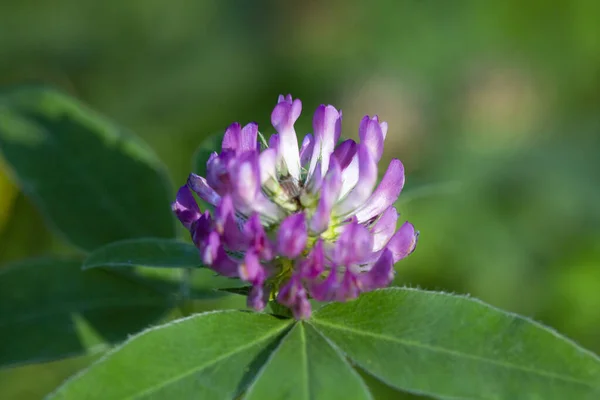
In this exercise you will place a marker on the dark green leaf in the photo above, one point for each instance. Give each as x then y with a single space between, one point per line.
146 252
206 356
21 226
166 279
242 290
93 181
306 366
50 308
457 347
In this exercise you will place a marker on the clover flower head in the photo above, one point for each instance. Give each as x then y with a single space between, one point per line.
299 222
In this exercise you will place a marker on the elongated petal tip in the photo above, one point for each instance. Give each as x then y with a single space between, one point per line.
285 113
231 138
185 207
386 193
327 123
404 242
372 136
248 137
380 275
201 187
292 235
344 152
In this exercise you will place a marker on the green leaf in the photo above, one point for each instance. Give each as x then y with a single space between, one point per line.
94 182
206 356
241 290
23 224
381 391
34 381
306 366
49 309
456 347
146 252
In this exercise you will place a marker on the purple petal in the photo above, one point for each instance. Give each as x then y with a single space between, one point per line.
329 192
292 235
314 264
386 193
384 128
257 239
231 138
199 185
227 226
344 152
371 135
302 309
350 175
248 137
313 185
201 229
213 254
274 141
348 288
353 245
293 295
325 290
185 207
256 298
289 291
209 247
364 187
246 177
306 149
284 116
327 125
403 243
268 164
380 275
218 169
250 270
384 228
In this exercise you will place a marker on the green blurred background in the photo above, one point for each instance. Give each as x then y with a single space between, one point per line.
493 106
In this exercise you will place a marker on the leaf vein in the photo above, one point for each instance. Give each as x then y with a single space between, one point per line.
411 343
208 364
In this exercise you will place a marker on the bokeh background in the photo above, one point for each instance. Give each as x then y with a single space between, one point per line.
493 106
